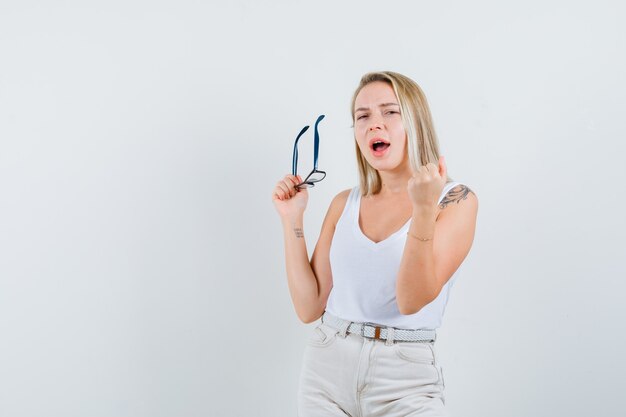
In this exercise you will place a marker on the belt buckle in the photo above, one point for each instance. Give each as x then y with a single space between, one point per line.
377 329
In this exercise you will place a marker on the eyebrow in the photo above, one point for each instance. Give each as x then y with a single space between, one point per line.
380 105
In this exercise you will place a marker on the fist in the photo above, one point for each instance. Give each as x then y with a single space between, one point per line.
426 185
289 201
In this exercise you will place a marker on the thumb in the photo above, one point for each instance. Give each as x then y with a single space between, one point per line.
443 170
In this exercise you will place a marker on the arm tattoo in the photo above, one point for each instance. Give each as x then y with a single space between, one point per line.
298 232
457 194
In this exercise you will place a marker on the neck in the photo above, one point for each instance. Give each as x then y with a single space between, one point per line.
394 182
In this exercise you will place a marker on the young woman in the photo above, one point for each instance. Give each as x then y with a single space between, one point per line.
384 263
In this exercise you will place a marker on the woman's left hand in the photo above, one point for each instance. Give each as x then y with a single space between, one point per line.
426 185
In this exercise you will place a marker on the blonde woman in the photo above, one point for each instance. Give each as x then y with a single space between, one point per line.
384 264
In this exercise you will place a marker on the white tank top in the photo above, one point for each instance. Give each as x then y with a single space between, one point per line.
364 274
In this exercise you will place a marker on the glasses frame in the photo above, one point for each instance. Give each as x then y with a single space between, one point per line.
308 181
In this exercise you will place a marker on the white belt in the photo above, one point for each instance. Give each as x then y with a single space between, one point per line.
380 332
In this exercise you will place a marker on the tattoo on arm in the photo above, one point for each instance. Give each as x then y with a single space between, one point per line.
457 194
298 232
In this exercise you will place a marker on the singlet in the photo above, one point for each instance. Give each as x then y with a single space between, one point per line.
364 274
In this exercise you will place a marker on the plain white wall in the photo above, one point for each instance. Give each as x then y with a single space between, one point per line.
141 268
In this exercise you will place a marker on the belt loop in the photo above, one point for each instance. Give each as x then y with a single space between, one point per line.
389 341
343 328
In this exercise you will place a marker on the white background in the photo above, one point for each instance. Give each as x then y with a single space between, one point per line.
141 263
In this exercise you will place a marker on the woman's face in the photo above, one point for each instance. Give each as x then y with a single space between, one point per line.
378 127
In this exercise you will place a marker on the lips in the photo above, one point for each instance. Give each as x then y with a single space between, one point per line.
379 146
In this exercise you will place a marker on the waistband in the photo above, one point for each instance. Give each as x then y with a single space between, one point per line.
378 331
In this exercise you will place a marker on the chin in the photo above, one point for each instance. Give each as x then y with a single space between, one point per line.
385 165
382 166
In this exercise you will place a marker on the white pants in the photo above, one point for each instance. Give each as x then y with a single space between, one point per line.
348 375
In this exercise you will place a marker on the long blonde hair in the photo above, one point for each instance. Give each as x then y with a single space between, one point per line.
422 144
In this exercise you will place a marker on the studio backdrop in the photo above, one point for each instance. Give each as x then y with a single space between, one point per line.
141 259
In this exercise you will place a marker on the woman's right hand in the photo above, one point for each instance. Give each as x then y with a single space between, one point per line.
290 202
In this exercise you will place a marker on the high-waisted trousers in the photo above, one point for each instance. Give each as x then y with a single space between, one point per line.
345 374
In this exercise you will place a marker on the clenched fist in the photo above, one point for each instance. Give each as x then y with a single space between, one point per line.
426 185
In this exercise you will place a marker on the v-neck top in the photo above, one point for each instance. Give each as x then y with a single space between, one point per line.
365 272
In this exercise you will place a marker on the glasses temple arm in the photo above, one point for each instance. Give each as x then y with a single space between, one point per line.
294 159
316 144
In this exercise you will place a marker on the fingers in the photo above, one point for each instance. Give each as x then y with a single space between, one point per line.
424 172
432 170
286 188
427 183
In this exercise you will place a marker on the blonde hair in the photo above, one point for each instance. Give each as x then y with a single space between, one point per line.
422 144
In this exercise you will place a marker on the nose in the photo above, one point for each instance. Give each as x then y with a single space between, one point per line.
375 124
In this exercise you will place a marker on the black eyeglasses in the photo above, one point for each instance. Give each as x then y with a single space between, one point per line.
315 175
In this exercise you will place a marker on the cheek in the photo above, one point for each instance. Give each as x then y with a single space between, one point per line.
402 142
362 146
400 133
360 136
359 130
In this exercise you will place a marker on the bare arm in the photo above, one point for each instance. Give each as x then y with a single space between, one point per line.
309 281
301 279
427 266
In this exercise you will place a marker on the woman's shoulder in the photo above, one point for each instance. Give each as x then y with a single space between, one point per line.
457 192
340 200
343 195
338 204
456 187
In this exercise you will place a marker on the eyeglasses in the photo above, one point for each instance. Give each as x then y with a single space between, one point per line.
315 175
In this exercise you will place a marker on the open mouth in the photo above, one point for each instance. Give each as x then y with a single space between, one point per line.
379 146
